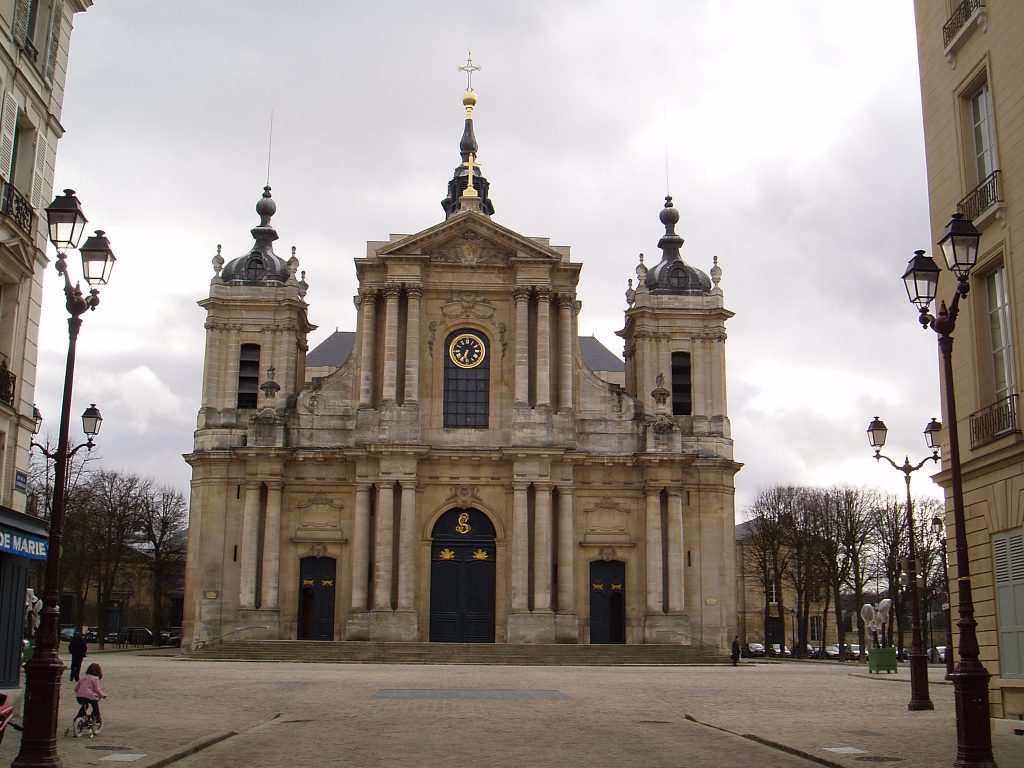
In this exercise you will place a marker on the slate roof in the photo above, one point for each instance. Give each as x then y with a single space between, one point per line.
336 349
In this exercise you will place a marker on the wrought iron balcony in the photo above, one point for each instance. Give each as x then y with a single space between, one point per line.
16 206
960 18
981 198
992 422
7 382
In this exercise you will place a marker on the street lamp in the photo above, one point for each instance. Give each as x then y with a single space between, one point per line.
877 431
66 223
939 531
959 244
91 421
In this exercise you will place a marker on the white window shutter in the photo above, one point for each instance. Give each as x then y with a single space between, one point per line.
1008 562
8 123
53 38
38 172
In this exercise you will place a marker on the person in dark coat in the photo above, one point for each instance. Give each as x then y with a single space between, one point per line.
735 650
78 650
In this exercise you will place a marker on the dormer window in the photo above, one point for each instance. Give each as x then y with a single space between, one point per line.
255 269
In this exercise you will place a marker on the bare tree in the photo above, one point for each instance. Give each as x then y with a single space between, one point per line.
798 525
892 543
164 517
830 554
768 554
855 509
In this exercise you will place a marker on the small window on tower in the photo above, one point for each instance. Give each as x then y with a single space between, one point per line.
682 399
255 269
248 375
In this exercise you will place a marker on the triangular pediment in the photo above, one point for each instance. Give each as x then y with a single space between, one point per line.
469 239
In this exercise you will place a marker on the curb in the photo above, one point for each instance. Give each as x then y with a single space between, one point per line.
192 748
769 743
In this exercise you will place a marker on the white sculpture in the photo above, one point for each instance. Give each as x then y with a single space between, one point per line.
33 608
877 620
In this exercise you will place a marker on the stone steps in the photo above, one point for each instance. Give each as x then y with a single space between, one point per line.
458 653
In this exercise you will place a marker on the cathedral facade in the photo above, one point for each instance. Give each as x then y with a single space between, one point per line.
462 467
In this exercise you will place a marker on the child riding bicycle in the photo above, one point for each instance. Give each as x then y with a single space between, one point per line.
88 691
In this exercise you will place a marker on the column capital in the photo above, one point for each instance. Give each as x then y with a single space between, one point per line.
542 485
367 294
520 486
544 293
392 290
408 485
567 301
521 293
414 291
275 485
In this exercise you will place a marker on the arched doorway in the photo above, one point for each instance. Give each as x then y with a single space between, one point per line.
607 601
462 578
316 598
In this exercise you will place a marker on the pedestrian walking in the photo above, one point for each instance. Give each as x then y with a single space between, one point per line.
735 650
78 650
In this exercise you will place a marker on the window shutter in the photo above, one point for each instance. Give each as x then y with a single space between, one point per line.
1008 561
8 123
38 171
53 38
22 10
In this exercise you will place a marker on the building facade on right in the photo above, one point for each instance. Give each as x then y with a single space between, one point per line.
971 57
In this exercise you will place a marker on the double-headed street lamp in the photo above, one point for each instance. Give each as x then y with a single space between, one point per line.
877 431
939 531
91 421
959 245
66 223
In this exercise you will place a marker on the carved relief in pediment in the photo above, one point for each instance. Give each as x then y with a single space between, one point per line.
320 514
467 306
469 249
607 522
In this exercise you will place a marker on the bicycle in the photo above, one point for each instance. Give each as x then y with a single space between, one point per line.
87 723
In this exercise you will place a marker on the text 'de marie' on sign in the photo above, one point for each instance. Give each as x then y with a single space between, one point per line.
22 544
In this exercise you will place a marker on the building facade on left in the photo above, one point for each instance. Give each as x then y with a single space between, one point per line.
34 39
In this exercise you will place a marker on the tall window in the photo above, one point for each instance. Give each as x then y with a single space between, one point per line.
816 628
1008 560
467 379
248 375
682 399
773 596
1001 351
981 130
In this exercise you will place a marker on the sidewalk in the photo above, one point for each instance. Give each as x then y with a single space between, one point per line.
163 707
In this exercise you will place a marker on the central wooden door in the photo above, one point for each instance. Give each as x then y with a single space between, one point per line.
462 578
607 601
316 598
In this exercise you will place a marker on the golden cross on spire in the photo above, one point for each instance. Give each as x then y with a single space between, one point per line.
469 68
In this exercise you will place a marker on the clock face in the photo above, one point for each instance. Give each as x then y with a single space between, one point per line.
467 350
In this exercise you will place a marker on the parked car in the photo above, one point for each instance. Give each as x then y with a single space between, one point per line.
852 652
66 633
135 636
813 652
752 651
940 654
780 650
171 637
90 635
832 651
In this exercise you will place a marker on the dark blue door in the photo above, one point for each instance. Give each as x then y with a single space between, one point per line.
316 598
607 601
462 578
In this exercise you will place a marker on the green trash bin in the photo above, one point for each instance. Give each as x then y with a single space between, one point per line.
882 660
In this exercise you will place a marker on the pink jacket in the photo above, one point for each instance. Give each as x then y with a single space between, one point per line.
89 688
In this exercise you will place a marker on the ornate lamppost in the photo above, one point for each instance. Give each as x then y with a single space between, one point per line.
877 431
959 245
939 531
66 223
92 419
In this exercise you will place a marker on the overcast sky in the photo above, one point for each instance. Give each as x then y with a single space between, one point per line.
789 134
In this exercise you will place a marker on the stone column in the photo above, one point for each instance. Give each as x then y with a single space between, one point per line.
542 549
390 385
368 309
360 547
213 373
407 548
653 553
521 295
565 550
385 533
412 345
543 346
272 546
520 549
567 309
676 563
229 371
250 546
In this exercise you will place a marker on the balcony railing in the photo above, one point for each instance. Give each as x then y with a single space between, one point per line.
16 206
7 382
961 16
996 420
981 198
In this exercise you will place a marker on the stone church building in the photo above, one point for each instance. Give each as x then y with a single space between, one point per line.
463 467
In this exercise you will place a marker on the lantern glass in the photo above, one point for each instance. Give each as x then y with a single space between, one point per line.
37 420
938 527
921 279
92 420
97 259
959 245
931 434
65 221
876 433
